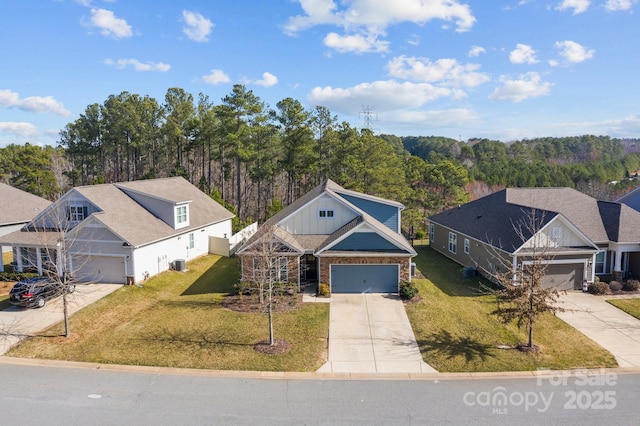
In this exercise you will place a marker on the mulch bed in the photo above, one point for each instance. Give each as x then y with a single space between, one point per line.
279 346
251 303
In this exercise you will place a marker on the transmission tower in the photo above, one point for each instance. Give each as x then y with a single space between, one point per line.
369 116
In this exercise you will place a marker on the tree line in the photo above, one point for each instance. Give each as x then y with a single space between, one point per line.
257 159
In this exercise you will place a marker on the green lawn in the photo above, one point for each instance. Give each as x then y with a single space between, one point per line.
630 306
456 331
177 320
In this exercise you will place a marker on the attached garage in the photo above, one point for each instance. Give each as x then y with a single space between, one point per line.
567 276
365 278
100 269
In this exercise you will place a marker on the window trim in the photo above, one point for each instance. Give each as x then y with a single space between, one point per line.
192 240
467 245
432 233
76 213
326 214
182 215
453 242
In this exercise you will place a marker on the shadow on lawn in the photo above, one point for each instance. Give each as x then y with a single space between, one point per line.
219 278
450 346
199 339
447 275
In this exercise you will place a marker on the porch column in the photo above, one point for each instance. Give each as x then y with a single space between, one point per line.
617 269
593 267
59 261
39 260
19 258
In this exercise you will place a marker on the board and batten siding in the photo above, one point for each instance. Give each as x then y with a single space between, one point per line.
384 213
306 221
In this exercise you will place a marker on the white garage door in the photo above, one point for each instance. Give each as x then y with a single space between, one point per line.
99 269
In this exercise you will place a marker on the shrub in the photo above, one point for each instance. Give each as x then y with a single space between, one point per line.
599 288
16 276
243 288
408 290
631 285
323 290
615 286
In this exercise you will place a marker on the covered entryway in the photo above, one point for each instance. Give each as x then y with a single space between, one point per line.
99 269
567 276
364 278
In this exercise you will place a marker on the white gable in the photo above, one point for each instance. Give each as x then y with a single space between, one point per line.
559 233
310 219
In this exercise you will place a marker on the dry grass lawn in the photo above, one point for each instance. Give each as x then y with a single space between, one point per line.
630 306
456 331
176 320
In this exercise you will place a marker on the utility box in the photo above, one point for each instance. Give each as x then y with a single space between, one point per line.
181 265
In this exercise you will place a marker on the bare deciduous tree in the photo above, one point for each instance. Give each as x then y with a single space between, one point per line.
522 296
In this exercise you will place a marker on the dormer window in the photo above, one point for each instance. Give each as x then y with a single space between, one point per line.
76 213
182 216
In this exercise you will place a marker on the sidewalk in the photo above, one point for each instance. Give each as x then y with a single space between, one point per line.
371 333
608 326
17 323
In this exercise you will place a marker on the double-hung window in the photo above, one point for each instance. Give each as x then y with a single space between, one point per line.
76 213
432 232
466 246
181 215
453 242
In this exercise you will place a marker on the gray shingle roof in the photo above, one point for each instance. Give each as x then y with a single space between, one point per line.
318 242
490 219
19 206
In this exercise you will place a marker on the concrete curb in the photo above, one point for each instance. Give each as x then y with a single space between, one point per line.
289 375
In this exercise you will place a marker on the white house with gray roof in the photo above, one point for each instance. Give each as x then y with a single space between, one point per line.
122 232
16 209
346 239
584 237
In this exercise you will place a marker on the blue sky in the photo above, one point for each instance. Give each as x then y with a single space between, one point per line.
500 69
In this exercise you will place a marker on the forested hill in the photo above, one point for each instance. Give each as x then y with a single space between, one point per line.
256 159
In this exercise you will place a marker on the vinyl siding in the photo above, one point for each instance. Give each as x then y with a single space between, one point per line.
305 221
366 241
388 215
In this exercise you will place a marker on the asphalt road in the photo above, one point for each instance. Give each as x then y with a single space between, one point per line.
81 396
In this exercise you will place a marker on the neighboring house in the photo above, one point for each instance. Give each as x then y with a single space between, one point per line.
16 209
348 240
631 199
122 232
584 237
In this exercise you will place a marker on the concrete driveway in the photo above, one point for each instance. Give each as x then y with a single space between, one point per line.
371 333
608 326
17 323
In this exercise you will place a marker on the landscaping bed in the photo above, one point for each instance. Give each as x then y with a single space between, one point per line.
177 319
456 331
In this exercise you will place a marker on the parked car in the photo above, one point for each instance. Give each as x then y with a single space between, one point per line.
35 292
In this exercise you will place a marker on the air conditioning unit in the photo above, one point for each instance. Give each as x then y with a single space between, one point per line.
180 265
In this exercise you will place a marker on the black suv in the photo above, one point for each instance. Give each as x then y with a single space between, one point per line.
34 292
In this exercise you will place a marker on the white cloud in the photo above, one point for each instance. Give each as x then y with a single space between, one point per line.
432 119
617 5
197 26
523 54
445 71
355 43
573 52
385 95
109 24
216 77
529 85
372 17
18 128
624 127
40 104
476 51
578 6
268 80
138 66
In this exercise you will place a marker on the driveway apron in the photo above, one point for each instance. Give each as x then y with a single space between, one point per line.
371 333
608 326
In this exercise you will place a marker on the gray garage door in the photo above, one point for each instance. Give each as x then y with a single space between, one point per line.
564 277
364 278
100 269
